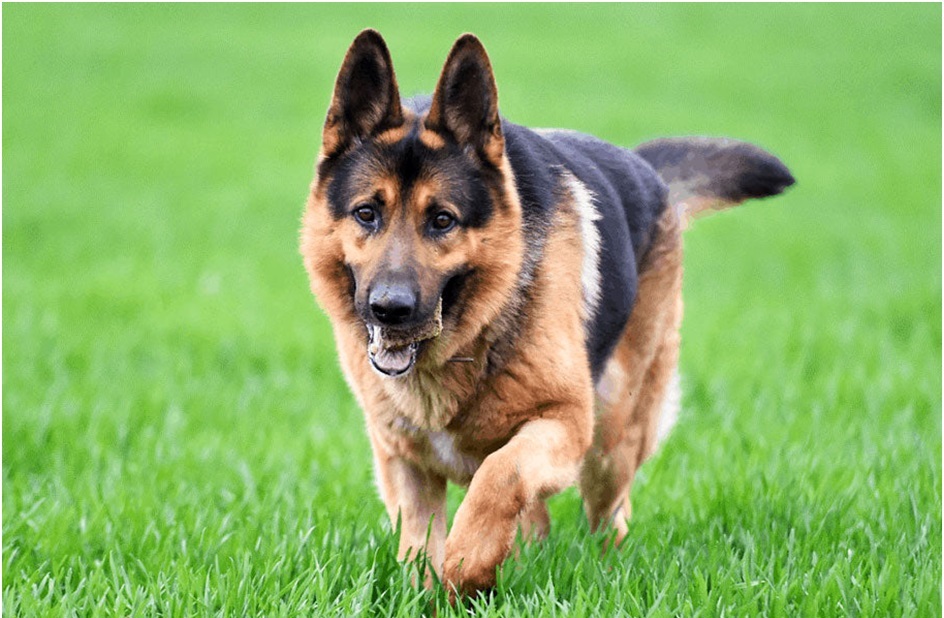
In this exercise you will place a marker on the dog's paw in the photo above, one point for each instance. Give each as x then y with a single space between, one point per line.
463 579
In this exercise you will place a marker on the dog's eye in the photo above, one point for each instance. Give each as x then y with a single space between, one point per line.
443 221
366 215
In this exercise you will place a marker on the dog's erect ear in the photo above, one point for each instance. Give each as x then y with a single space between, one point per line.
465 103
366 99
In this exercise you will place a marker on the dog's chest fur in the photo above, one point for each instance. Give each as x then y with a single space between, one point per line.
456 419
441 451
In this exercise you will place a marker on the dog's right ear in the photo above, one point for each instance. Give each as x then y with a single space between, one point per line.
366 100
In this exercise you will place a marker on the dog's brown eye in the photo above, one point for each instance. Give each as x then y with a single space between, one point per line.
443 222
366 215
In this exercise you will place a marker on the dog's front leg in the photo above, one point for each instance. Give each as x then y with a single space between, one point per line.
417 498
540 460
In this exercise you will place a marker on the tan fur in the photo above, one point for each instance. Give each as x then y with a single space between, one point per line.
631 391
432 140
394 135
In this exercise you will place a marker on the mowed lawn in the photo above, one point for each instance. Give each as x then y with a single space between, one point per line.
178 439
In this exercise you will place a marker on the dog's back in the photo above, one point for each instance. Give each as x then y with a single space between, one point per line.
624 194
622 197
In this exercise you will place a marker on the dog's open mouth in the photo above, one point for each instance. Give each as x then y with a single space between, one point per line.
393 352
387 357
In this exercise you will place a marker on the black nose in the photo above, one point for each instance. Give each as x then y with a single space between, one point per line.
392 303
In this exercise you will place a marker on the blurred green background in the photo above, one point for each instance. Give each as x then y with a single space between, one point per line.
178 439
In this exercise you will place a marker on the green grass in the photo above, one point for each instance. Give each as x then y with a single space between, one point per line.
178 439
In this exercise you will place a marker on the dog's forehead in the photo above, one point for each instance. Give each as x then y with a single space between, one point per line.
414 173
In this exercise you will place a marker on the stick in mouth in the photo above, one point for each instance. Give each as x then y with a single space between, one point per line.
393 352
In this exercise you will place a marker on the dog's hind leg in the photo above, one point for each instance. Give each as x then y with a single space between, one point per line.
636 388
621 447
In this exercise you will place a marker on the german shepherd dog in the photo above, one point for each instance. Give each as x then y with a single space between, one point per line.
505 301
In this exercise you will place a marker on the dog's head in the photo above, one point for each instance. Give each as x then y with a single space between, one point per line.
413 227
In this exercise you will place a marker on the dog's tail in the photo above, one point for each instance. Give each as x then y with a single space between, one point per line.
706 174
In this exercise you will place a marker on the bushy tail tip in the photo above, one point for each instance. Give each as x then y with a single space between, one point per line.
705 174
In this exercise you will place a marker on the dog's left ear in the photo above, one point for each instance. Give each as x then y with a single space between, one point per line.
465 103
366 98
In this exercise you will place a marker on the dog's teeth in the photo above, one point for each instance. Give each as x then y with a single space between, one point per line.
373 345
